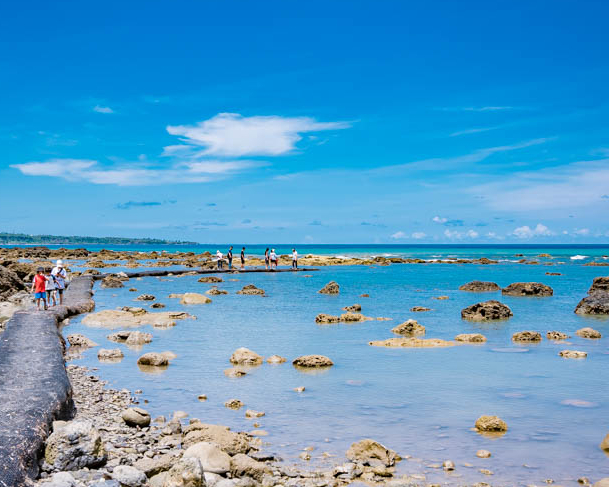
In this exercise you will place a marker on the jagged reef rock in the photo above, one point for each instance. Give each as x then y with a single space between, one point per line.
479 287
528 289
486 311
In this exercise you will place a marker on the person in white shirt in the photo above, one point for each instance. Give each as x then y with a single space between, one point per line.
51 288
273 258
219 257
294 259
61 277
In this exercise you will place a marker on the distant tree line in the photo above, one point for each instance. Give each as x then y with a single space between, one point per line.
22 238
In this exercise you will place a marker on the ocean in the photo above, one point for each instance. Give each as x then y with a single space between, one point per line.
423 403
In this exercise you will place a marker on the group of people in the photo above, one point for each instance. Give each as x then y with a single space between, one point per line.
270 259
48 283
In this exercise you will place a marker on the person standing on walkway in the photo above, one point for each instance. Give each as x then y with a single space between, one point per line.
219 257
266 258
229 256
273 259
51 288
39 288
61 279
294 259
242 258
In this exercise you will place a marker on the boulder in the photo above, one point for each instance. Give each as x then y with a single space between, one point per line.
486 311
572 354
312 361
110 354
483 454
157 305
354 308
331 288
244 356
491 424
411 342
419 309
74 445
227 440
214 279
528 289
479 287
471 338
145 297
372 453
250 413
158 464
588 333
129 476
136 417
527 336
138 338
214 291
233 404
605 443
80 341
194 298
597 301
326 319
276 359
153 359
409 328
244 466
556 335
10 283
186 472
112 282
212 458
251 290
234 372
353 317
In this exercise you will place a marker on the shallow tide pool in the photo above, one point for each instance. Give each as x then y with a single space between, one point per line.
419 402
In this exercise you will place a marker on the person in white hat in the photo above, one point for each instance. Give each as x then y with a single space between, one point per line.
61 276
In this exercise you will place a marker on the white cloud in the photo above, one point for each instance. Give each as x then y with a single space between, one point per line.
471 131
525 231
439 219
582 232
456 235
232 135
398 235
418 235
102 109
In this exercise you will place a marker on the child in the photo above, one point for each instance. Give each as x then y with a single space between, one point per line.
51 288
39 288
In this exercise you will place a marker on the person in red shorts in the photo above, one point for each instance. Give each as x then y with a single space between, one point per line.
39 288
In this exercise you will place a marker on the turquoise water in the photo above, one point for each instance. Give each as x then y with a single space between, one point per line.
419 402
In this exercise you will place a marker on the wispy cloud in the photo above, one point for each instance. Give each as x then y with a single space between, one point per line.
134 204
488 108
232 135
102 109
446 222
398 235
472 131
456 235
418 235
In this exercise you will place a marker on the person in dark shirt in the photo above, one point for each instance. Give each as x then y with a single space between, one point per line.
229 256
243 258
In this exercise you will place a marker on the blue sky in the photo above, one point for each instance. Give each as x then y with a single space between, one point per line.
306 122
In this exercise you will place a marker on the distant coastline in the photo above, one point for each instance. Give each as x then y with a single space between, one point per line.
25 239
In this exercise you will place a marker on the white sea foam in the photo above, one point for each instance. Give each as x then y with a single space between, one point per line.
579 257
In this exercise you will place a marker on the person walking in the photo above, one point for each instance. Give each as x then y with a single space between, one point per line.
266 258
273 259
242 258
219 258
39 288
294 259
61 279
229 256
51 288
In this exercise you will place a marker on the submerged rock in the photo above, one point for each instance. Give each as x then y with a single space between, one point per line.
234 372
353 317
419 309
110 354
131 317
572 354
276 359
528 289
112 282
213 279
471 338
80 341
326 318
491 424
409 328
412 343
244 356
194 298
312 361
154 359
371 453
527 336
486 311
331 288
588 333
250 413
354 308
250 289
479 287
556 335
